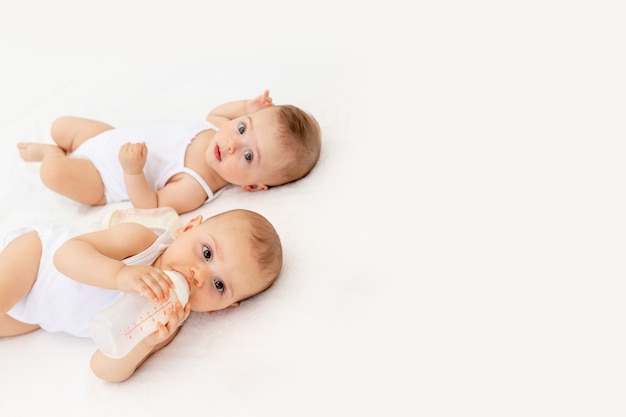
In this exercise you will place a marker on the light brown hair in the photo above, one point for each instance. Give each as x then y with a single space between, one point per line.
267 248
302 138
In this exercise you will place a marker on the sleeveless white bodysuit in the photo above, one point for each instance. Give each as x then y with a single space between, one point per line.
166 142
60 304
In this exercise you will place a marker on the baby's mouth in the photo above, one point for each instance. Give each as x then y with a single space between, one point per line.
216 152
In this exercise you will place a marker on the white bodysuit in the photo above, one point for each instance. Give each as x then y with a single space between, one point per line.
60 304
166 142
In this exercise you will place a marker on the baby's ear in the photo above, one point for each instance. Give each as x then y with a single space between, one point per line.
190 224
255 187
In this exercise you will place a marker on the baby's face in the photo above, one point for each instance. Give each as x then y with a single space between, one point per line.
215 257
247 151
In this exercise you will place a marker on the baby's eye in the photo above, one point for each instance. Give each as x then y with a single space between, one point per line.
248 155
241 128
219 285
206 251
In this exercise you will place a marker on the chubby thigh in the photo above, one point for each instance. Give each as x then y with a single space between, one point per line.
56 302
19 265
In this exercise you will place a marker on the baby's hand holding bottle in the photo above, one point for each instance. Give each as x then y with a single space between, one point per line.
148 281
116 329
176 317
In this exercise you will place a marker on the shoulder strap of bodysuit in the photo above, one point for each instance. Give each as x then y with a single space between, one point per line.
201 181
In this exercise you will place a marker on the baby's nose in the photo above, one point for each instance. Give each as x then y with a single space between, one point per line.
199 275
232 145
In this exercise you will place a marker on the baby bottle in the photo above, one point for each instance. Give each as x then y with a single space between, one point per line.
160 216
118 328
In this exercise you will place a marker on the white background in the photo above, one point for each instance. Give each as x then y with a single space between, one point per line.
487 198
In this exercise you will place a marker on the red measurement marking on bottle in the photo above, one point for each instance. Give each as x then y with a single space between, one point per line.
150 315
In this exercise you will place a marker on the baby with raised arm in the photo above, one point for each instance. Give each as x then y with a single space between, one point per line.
250 143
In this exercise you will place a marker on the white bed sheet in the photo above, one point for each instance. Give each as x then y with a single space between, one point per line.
457 251
275 350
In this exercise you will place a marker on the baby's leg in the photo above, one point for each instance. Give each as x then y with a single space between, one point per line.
11 327
35 151
69 132
19 264
74 178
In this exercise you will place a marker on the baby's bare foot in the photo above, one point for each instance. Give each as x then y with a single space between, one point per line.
34 152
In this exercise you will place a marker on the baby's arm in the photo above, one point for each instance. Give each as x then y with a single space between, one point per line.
118 370
133 157
234 109
95 259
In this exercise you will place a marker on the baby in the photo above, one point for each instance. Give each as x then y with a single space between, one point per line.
56 279
250 143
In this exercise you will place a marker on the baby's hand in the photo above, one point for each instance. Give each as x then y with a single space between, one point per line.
148 281
257 103
175 317
133 157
